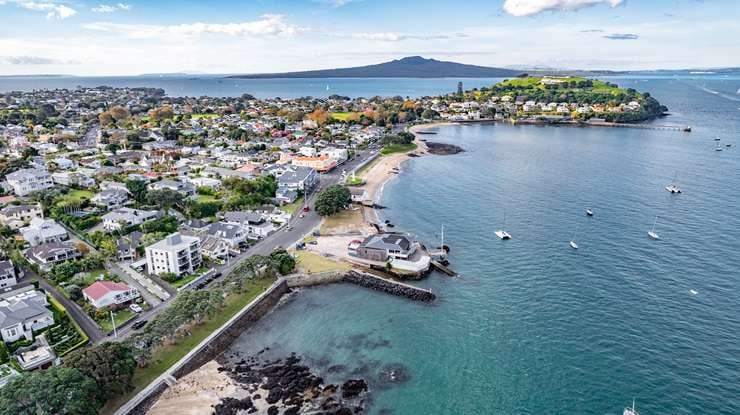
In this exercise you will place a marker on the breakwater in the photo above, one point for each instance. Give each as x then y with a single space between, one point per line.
363 279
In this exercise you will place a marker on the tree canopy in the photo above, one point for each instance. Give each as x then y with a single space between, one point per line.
111 365
332 200
59 390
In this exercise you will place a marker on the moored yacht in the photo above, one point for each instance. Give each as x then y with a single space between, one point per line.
652 233
631 411
673 188
589 212
502 234
573 245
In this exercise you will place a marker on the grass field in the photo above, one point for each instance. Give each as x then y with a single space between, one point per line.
342 116
120 316
205 116
206 198
165 356
356 182
314 263
397 148
342 222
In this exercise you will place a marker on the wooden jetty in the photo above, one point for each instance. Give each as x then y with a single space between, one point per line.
442 268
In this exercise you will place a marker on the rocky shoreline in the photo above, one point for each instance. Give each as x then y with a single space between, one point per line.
442 149
286 386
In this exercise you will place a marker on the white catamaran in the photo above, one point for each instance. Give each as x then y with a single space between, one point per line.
631 411
672 188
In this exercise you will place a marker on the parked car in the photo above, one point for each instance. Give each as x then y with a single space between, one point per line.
306 208
139 324
135 308
302 215
313 242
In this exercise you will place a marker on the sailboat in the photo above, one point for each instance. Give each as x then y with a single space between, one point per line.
652 233
631 411
589 212
672 187
573 243
718 148
502 234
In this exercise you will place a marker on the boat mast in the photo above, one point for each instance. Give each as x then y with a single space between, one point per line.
654 222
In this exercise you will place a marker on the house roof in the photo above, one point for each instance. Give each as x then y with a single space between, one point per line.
387 242
99 289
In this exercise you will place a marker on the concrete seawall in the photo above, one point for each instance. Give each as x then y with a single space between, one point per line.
208 349
364 280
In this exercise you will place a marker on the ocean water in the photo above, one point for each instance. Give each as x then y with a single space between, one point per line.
533 326
218 86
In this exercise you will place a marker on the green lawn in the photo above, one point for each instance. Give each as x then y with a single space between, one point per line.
292 207
76 196
186 279
165 356
356 182
397 148
209 116
314 263
342 116
120 316
206 198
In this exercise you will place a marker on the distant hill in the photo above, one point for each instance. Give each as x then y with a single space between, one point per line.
410 67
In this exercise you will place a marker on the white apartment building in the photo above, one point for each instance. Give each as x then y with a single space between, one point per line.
178 254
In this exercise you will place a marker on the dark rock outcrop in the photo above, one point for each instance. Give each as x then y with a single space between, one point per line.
443 149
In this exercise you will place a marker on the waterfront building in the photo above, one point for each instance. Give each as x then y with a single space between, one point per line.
177 254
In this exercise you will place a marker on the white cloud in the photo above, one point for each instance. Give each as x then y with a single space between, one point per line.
336 3
529 7
395 37
53 10
111 8
33 60
267 25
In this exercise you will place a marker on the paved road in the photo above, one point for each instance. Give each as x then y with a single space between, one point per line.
90 139
86 323
299 227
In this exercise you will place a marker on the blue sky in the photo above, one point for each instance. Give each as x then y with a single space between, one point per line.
133 37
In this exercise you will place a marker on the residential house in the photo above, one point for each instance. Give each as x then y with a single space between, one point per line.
126 246
254 224
186 189
322 163
382 247
231 233
23 310
103 294
41 231
177 254
124 217
213 247
298 178
111 198
7 274
17 216
26 181
52 253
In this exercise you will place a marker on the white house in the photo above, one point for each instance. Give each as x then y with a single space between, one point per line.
177 254
7 274
106 293
26 181
123 217
48 255
111 198
23 311
41 231
17 216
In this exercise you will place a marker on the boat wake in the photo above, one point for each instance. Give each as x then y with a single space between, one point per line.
718 93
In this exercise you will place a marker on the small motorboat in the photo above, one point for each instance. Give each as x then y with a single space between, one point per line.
728 145
673 189
573 245
589 212
503 234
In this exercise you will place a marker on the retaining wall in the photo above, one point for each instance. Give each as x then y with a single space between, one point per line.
306 280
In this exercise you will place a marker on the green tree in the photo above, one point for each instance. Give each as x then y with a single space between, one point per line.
165 199
59 390
111 365
282 261
332 200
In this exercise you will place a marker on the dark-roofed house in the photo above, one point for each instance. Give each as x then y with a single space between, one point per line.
186 189
254 224
126 246
381 247
48 255
23 311
231 233
111 198
16 216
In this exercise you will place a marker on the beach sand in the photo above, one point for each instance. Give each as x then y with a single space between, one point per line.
196 393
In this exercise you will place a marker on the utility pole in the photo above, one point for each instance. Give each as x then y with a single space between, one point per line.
113 321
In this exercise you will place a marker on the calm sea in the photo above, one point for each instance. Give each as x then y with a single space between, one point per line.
533 326
218 86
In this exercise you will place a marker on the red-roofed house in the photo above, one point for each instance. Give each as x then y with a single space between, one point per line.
105 293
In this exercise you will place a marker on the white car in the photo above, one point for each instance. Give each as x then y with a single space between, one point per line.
135 308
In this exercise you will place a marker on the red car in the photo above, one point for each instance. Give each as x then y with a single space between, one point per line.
306 208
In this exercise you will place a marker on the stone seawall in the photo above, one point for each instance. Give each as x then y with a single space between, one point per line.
207 350
391 287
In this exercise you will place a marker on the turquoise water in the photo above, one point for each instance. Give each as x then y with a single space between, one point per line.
533 326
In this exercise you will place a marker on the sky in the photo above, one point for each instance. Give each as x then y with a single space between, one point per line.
256 36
